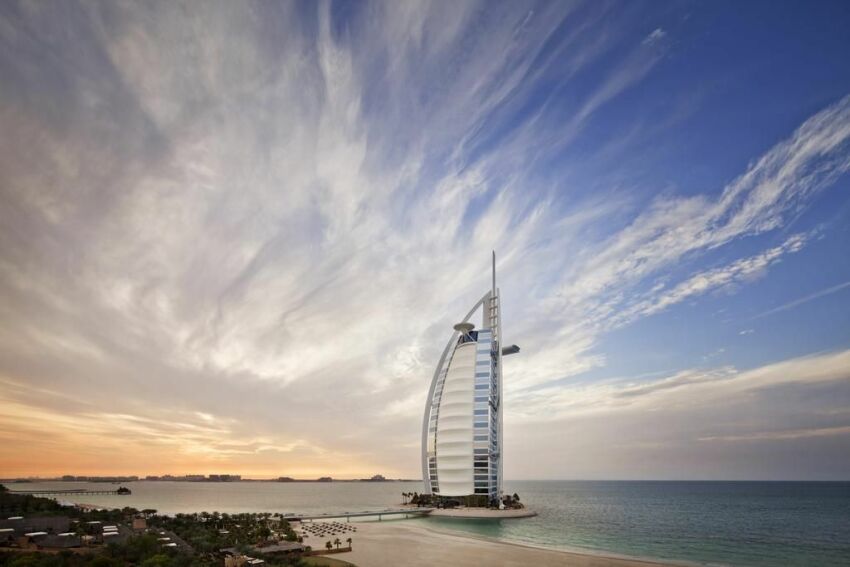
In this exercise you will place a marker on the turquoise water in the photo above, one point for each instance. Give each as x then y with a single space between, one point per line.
747 524
725 523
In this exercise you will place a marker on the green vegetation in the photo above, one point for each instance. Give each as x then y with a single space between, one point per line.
25 504
206 533
471 501
143 550
209 532
29 505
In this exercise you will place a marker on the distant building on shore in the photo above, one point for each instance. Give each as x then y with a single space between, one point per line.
73 478
197 478
462 427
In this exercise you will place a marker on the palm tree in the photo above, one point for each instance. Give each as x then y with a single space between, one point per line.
337 543
329 545
348 541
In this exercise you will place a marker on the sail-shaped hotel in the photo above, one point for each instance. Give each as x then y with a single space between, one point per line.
462 429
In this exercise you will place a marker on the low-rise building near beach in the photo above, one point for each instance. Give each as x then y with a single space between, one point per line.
30 538
24 524
60 541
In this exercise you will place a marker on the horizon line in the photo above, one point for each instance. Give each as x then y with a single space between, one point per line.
402 479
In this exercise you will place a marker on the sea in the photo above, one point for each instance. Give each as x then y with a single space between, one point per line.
746 524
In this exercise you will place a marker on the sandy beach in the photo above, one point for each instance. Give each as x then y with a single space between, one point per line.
385 544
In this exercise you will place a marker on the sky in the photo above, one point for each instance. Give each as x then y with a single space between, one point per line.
235 236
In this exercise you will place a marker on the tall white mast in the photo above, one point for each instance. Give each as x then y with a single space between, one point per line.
496 326
494 273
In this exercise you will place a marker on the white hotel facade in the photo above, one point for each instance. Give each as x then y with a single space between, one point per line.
462 428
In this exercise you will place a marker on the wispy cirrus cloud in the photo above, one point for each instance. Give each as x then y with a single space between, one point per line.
695 387
702 423
783 435
288 207
37 432
737 272
810 297
599 288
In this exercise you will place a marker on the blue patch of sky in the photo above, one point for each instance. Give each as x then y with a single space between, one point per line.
765 68
741 80
732 326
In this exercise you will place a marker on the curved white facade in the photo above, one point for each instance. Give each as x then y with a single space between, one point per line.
454 428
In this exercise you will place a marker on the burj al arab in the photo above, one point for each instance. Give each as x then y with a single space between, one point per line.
462 450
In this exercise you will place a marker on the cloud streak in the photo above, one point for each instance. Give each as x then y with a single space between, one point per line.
273 214
715 423
811 297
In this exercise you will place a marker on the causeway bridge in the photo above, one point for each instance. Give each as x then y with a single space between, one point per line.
368 513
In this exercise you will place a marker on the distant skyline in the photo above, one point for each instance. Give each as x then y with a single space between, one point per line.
234 236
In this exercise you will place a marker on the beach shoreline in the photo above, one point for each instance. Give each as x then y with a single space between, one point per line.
574 551
382 544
